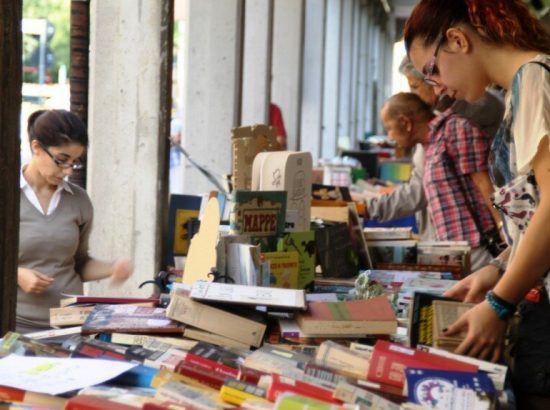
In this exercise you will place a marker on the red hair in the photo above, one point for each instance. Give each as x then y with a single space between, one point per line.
500 22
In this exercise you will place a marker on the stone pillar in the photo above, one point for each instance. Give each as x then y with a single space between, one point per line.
331 75
312 77
130 69
211 89
256 83
286 87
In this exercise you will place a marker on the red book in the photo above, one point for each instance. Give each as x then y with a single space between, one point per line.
280 384
389 361
214 358
355 317
112 300
88 402
249 375
201 374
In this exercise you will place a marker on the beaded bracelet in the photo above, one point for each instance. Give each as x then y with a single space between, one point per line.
503 309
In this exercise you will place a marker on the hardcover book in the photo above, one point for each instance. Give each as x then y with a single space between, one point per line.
284 268
183 309
258 213
69 315
183 209
335 251
389 361
421 318
214 358
131 319
437 388
445 313
88 299
396 251
351 318
249 295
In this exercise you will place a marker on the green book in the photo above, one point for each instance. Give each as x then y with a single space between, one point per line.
304 244
258 213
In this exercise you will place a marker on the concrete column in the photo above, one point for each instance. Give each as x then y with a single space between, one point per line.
211 89
363 72
288 23
312 77
256 83
355 82
332 74
127 155
344 100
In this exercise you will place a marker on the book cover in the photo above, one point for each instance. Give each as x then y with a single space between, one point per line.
303 243
435 388
195 397
436 286
258 213
335 251
203 375
249 295
214 358
131 319
421 318
396 251
387 233
346 361
209 337
367 400
283 269
13 342
447 271
236 392
445 313
193 313
29 398
68 300
69 315
281 384
183 209
389 361
356 317
90 402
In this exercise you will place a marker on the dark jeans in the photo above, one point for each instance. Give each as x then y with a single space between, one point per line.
531 353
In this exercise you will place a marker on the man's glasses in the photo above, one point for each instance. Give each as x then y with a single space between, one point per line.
432 69
61 163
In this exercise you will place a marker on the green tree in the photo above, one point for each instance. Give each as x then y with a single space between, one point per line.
58 13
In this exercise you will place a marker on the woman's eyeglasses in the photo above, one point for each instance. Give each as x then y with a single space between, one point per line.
60 163
432 69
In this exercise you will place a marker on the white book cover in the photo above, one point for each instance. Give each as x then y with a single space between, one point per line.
252 295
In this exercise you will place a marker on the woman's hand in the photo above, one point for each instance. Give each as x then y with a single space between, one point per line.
32 281
485 333
121 269
472 288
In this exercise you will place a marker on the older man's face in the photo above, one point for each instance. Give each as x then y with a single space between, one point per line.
398 129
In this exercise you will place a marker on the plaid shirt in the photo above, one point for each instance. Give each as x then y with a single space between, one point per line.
456 148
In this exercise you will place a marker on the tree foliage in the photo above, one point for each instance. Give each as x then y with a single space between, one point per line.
58 13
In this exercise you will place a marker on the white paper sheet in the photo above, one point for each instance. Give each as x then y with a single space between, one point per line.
57 375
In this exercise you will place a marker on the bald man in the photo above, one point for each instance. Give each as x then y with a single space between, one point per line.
456 172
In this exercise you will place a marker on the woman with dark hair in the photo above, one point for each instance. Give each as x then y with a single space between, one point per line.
461 47
55 222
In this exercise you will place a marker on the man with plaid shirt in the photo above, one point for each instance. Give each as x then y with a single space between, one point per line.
455 170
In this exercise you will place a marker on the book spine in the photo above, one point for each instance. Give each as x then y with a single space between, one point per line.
201 374
284 384
236 392
211 365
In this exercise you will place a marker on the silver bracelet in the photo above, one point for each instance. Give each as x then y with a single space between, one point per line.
499 264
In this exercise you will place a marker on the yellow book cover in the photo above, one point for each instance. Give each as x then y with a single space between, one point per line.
284 268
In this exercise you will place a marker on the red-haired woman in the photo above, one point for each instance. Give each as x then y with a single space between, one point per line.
461 47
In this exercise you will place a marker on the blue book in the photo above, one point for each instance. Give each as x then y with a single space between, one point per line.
429 387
